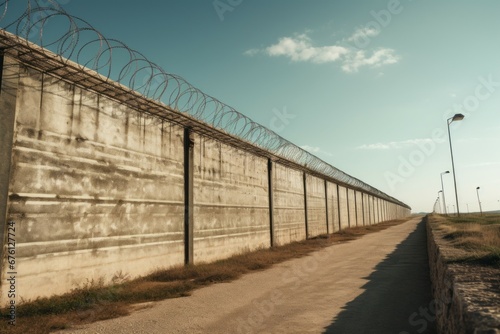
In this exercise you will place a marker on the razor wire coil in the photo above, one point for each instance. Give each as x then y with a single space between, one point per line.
82 44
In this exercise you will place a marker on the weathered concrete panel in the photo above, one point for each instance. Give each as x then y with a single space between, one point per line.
289 210
8 95
56 106
344 214
371 214
333 207
359 208
231 203
368 217
316 206
352 208
384 210
78 195
29 95
376 210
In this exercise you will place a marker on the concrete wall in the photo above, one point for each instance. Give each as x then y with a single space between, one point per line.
359 208
231 214
343 208
376 210
316 206
289 206
333 207
96 189
90 186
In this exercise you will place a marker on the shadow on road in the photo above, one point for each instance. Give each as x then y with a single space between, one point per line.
397 296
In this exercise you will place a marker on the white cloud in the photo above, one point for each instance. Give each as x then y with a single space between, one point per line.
377 146
478 139
394 144
312 149
300 48
483 164
359 59
251 52
315 150
363 33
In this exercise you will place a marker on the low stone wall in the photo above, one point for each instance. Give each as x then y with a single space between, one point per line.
466 298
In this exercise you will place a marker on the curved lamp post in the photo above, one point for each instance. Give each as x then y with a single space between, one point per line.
439 199
457 117
442 190
479 200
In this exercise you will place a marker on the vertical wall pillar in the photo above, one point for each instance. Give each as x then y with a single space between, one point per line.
379 211
304 177
338 207
271 201
363 207
348 207
326 208
356 206
382 204
9 77
371 202
188 195
386 210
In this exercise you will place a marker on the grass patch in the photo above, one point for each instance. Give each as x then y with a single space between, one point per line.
95 301
478 236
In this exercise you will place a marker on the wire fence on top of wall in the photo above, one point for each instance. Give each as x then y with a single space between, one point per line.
78 42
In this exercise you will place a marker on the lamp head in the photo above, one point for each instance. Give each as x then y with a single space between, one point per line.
478 188
457 117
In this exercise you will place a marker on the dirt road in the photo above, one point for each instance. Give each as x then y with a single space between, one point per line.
376 284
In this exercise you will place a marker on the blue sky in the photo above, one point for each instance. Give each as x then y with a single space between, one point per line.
366 86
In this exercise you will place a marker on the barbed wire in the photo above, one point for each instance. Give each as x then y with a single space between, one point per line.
40 23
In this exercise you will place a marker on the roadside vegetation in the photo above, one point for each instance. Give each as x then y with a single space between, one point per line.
477 235
94 301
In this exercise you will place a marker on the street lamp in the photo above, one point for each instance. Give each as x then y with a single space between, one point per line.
457 117
436 203
442 190
439 199
479 201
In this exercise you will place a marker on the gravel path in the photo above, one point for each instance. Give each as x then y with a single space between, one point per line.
376 284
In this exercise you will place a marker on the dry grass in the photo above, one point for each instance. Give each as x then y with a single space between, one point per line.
94 301
478 235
